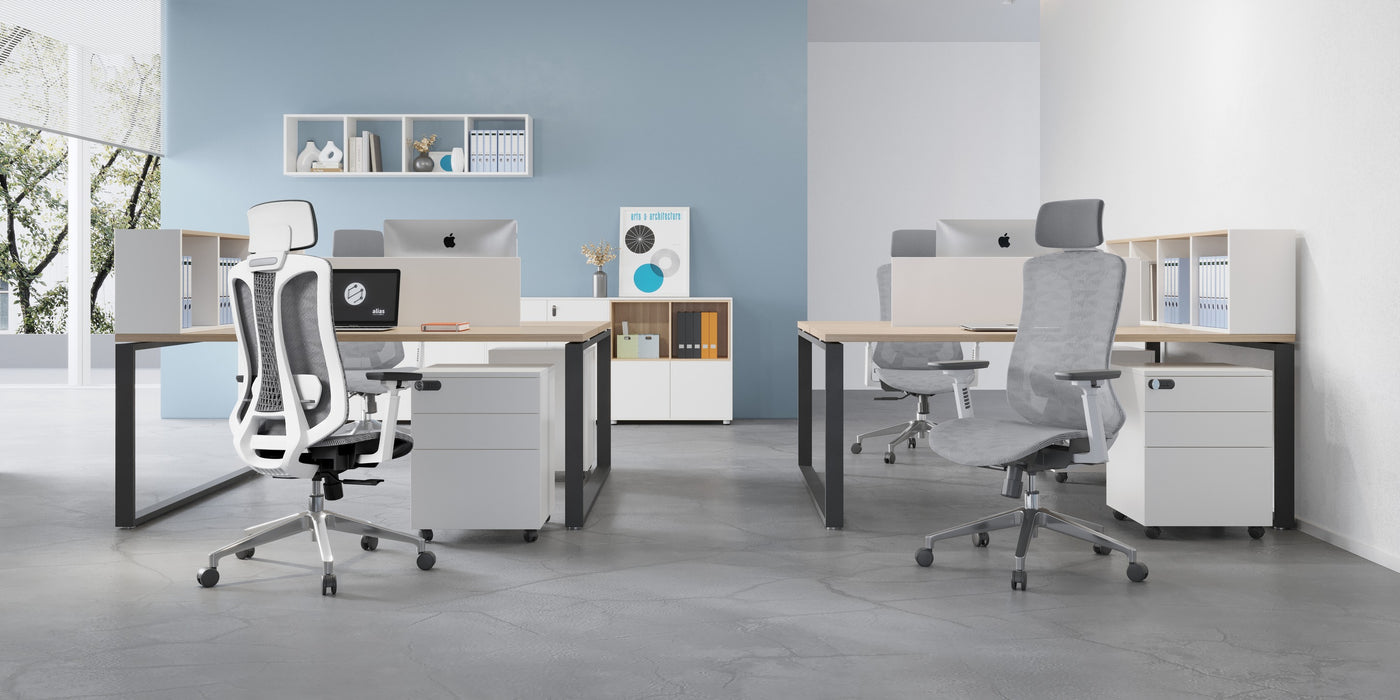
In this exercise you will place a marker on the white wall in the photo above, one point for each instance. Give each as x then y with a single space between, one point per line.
901 134
1188 115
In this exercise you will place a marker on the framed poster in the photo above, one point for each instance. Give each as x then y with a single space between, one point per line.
654 255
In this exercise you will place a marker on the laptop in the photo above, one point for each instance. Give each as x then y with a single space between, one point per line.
365 300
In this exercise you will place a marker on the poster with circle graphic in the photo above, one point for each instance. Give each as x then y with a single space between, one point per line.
654 258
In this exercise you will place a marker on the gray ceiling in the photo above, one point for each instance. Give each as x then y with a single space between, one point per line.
923 20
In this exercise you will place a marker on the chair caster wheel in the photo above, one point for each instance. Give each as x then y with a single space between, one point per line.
924 557
426 559
369 543
1018 580
328 584
855 448
889 458
1256 532
1119 516
426 534
1137 572
532 535
981 539
207 577
913 443
245 554
1061 477
1101 550
1152 532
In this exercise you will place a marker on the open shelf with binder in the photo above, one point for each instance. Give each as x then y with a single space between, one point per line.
657 374
493 145
1233 280
177 279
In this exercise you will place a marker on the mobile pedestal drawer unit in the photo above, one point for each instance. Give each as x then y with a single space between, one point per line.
481 449
1197 448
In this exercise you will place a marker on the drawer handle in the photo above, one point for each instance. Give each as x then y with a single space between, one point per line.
1161 384
554 310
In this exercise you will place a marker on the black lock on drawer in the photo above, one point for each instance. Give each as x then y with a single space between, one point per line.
1161 383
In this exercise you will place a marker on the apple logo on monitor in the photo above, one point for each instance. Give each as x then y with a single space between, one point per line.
448 241
1004 241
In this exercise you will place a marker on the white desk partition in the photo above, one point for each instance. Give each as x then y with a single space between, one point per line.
956 291
481 291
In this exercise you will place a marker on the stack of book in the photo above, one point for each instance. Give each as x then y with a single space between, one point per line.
1176 291
186 302
1214 295
362 154
225 303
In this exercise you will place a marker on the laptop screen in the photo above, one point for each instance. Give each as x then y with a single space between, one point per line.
365 297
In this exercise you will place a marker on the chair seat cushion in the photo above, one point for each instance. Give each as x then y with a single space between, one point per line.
364 442
993 441
922 381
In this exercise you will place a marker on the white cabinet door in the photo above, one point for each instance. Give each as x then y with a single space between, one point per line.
702 390
641 390
578 309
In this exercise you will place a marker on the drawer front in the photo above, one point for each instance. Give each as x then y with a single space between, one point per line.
480 395
478 431
480 489
588 309
1208 486
1210 394
1209 429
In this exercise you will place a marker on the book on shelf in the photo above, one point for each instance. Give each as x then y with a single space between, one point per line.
354 146
446 326
376 159
316 168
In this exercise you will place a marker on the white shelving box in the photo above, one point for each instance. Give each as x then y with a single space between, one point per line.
481 449
1197 446
1261 284
150 277
396 133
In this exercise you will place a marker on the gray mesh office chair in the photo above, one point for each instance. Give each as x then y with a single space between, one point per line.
903 367
363 358
290 417
1057 384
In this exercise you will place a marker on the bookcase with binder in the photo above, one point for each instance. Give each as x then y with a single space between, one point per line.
672 359
1234 280
170 280
380 145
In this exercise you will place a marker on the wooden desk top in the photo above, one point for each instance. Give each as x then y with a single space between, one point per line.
527 331
882 331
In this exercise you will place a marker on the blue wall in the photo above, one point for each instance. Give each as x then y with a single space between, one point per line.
635 102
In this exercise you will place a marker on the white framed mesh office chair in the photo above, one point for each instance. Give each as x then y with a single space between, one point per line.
903 367
1057 384
290 417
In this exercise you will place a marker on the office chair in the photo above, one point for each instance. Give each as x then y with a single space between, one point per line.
290 418
1057 384
363 358
903 367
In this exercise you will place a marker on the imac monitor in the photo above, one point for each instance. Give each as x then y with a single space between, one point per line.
462 238
988 238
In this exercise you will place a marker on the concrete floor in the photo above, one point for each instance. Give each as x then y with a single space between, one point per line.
703 572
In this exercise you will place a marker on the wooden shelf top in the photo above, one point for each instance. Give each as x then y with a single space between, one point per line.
882 331
527 331
1170 236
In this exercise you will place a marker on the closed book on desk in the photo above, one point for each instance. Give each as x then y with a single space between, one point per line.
446 326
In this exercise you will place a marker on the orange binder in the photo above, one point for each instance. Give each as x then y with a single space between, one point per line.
709 335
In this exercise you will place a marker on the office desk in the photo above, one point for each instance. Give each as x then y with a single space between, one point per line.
581 488
829 495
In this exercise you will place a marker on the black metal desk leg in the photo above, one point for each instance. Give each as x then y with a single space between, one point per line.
604 401
126 435
804 401
573 436
1283 435
835 445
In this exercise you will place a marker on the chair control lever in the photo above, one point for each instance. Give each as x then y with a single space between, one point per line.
362 482
901 397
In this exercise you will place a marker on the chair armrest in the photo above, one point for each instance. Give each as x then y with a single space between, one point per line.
393 376
956 365
1090 383
1085 375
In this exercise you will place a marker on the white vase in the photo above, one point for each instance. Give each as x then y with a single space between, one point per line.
330 155
309 155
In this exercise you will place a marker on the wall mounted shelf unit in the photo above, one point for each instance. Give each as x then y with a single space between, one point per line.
1256 292
396 133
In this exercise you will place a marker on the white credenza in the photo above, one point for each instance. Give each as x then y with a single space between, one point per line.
481 449
1196 449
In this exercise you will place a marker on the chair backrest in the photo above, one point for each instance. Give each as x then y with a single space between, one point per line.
908 243
359 358
1069 312
292 393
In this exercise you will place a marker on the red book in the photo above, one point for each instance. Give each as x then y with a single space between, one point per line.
446 327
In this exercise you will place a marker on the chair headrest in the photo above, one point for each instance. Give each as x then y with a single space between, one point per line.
1070 223
913 243
357 243
281 226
